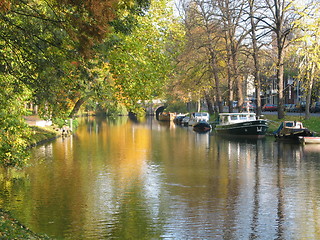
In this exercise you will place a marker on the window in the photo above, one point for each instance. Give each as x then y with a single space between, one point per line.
234 117
289 124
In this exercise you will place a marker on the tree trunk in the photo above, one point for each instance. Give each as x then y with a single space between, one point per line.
237 78
280 71
230 80
255 59
217 89
199 105
310 77
77 106
209 104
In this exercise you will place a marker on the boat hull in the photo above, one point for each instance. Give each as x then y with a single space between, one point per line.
202 127
310 140
294 135
166 116
252 129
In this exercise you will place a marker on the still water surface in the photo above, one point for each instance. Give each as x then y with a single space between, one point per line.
118 179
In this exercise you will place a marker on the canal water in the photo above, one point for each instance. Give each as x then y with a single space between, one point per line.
123 179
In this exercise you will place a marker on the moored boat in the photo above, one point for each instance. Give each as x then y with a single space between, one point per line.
202 127
198 117
179 118
245 124
292 130
166 116
185 121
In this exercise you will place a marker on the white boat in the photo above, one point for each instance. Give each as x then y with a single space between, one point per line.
292 130
198 117
185 121
245 124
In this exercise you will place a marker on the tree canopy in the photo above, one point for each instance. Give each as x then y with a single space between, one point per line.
61 53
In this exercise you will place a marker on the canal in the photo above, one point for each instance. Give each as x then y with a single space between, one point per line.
121 179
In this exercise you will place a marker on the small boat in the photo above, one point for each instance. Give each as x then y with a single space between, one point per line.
198 117
166 116
179 118
185 121
292 130
307 140
246 125
202 127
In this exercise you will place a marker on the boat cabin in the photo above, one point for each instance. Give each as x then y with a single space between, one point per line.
287 127
200 116
292 130
230 118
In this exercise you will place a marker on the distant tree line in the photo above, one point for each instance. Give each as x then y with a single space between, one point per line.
229 40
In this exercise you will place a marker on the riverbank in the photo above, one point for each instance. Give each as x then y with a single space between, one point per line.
41 135
12 229
313 124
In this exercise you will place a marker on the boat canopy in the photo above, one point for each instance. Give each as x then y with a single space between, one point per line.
289 125
228 118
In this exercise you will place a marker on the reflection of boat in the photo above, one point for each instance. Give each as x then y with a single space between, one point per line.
166 116
198 117
202 126
311 148
292 130
306 140
241 125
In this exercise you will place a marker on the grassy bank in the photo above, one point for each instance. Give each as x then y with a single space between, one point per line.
41 135
313 124
12 229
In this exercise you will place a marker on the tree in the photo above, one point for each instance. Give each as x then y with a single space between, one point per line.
308 51
141 63
14 131
199 63
235 31
50 53
255 53
279 17
51 46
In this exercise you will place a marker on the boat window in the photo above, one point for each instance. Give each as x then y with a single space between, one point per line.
289 124
243 117
234 117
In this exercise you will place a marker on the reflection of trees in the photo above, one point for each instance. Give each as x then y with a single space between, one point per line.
280 196
256 191
150 181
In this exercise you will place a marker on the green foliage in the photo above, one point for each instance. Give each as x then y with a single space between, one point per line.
177 106
63 53
142 62
13 129
40 134
115 109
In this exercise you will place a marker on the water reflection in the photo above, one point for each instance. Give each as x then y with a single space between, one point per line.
144 179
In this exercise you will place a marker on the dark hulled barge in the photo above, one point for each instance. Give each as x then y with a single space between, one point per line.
245 124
